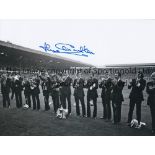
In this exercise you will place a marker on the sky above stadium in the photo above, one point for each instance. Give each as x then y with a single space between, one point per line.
111 41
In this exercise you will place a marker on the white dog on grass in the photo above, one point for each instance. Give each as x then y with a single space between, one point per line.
134 124
62 113
25 106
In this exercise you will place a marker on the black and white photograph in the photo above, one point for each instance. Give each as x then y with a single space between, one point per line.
77 77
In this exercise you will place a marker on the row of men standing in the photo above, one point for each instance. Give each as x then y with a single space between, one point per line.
112 93
58 86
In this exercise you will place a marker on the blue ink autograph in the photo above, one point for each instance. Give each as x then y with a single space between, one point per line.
67 49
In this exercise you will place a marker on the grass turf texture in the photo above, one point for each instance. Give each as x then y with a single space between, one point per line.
28 122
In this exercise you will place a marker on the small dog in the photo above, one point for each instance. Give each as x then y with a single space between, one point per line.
25 106
62 113
134 124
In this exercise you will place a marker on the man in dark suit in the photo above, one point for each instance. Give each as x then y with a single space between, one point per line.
18 88
150 89
78 86
65 92
136 96
5 90
46 87
12 87
27 91
117 97
102 86
92 86
108 89
55 92
35 91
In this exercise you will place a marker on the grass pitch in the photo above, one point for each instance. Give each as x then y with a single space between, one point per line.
16 122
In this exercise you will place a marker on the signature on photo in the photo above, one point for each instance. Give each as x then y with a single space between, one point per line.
67 49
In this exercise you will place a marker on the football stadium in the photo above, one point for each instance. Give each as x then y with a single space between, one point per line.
28 122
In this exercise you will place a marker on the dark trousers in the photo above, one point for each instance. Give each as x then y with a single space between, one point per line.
152 109
81 99
36 101
69 103
28 99
18 96
6 99
117 111
104 108
131 109
108 109
63 99
46 100
12 93
88 107
55 98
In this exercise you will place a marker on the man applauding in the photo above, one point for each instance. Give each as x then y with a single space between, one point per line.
136 96
92 86
78 86
117 97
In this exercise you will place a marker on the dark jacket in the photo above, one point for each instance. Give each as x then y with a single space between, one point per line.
78 86
55 84
92 93
35 87
5 86
151 94
116 95
18 86
137 91
108 89
65 87
27 88
102 86
46 86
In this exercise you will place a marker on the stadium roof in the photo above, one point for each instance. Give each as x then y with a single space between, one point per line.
130 65
11 54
